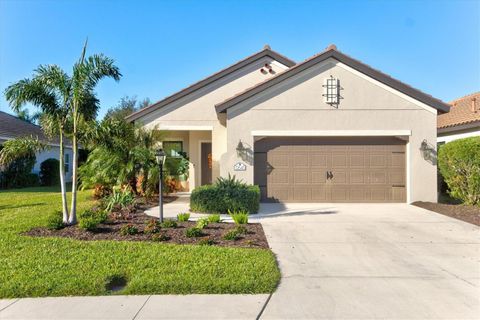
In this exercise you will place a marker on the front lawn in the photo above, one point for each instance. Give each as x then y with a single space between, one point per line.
32 267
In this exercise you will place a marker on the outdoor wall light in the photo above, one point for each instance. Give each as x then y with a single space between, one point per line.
428 151
240 149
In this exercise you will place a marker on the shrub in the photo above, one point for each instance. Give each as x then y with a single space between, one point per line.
182 217
119 199
239 217
89 219
193 232
49 173
226 194
214 218
459 163
231 235
241 229
202 223
128 229
169 223
55 221
160 237
153 226
18 174
206 242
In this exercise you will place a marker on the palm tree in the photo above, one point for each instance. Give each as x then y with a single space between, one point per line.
48 90
87 72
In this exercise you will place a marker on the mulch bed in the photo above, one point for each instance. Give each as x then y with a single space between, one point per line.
466 213
110 230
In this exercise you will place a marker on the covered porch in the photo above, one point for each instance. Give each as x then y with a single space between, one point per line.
196 145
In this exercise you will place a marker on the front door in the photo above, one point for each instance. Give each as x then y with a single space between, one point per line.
206 162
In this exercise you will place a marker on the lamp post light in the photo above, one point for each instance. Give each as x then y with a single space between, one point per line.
160 155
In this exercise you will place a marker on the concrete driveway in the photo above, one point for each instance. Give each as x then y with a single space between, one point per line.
371 261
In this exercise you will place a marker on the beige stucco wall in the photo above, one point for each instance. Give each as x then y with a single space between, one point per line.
197 111
297 104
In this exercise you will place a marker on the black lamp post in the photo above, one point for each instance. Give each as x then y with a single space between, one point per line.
160 155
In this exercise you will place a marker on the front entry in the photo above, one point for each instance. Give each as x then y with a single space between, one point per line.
206 163
310 169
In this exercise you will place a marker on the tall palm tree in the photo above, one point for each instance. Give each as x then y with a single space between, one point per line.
87 72
49 90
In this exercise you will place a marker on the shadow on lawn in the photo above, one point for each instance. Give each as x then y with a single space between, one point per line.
17 206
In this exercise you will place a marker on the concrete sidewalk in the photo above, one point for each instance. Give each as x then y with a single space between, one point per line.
135 307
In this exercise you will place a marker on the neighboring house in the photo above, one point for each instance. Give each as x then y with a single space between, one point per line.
328 129
462 121
12 127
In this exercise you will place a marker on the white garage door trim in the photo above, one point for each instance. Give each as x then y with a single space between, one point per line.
331 133
348 133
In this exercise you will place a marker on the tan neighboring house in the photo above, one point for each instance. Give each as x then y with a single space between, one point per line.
462 121
328 129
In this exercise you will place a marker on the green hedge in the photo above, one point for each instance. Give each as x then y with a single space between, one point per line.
459 163
217 198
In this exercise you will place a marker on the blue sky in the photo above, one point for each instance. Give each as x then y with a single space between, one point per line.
163 46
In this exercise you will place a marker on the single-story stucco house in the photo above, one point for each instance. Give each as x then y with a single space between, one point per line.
12 127
328 129
462 121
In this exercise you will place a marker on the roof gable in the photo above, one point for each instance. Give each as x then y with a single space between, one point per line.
266 52
331 52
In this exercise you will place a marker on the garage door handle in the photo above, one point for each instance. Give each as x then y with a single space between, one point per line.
329 175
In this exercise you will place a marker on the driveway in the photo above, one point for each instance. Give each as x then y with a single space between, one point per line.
367 261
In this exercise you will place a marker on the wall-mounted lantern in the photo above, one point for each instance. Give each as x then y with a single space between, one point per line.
240 149
428 152
331 91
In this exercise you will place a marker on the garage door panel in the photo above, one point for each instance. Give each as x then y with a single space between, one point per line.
318 177
364 169
279 160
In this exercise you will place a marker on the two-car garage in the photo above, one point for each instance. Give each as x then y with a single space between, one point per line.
330 169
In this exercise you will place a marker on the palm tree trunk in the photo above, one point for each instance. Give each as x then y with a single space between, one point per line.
62 180
73 209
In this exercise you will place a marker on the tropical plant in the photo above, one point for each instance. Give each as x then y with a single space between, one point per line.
459 163
239 217
202 223
65 103
126 106
121 152
87 72
119 198
193 232
214 218
182 217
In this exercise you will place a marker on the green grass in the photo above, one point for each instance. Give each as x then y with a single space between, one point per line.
33 267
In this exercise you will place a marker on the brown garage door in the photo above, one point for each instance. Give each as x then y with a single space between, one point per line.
295 169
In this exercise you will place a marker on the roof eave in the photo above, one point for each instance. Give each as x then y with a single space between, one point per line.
266 52
359 66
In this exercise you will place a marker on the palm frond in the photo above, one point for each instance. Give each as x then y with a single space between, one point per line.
20 148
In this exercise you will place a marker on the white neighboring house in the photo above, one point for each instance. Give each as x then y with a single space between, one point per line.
462 121
12 127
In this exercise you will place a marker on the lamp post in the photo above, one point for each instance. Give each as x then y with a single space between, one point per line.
160 155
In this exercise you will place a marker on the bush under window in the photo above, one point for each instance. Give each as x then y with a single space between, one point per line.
49 173
227 194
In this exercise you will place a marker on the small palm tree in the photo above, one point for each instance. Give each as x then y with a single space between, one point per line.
87 72
49 90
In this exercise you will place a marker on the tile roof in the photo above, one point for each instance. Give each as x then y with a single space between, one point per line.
464 110
12 127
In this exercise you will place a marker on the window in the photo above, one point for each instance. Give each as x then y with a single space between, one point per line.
173 148
67 162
